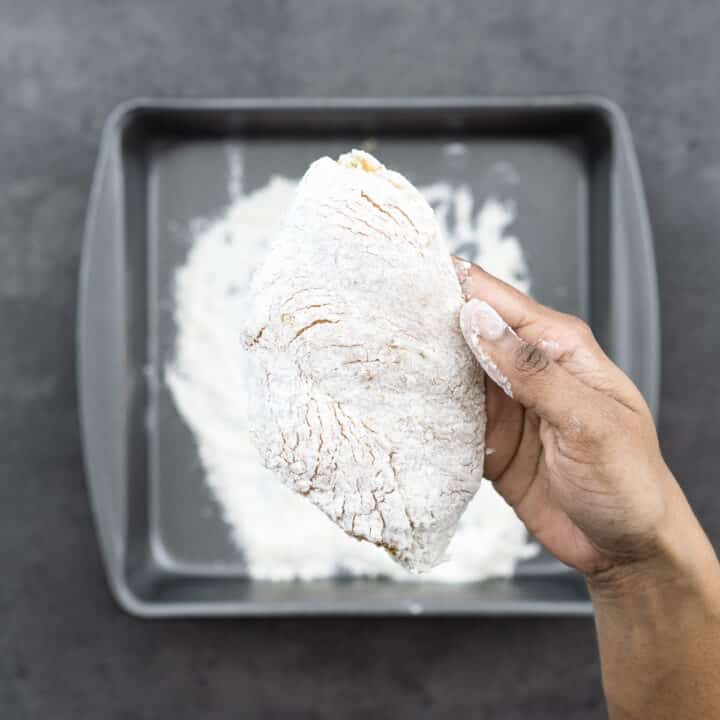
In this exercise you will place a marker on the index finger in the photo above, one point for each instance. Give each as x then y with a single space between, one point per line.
565 339
527 317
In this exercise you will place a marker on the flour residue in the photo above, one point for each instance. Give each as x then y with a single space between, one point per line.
236 171
482 234
279 533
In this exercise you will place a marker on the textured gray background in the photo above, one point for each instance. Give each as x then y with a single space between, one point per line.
66 651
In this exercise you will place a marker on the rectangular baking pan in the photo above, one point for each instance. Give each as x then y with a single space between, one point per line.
582 221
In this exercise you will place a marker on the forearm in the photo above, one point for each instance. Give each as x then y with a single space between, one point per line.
658 627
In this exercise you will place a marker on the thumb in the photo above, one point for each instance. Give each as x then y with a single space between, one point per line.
522 370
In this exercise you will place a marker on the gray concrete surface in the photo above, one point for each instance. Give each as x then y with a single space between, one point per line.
66 651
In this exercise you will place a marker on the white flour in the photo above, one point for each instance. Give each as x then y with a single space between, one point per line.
282 536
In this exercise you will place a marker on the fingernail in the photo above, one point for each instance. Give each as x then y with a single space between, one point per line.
492 370
483 320
479 321
462 269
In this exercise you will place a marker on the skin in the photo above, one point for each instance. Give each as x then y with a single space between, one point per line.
576 455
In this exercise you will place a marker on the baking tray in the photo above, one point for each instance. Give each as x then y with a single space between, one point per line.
583 224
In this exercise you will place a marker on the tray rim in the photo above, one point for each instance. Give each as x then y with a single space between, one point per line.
122 114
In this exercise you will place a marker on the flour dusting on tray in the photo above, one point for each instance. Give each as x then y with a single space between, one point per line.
281 535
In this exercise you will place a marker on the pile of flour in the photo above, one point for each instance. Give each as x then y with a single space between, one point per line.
280 534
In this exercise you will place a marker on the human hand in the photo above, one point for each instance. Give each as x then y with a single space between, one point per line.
573 444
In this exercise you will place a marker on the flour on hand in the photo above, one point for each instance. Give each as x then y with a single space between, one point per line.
282 536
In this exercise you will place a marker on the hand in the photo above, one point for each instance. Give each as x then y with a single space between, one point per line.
573 444
577 456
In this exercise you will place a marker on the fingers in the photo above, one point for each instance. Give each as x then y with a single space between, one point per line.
559 334
520 311
522 370
565 339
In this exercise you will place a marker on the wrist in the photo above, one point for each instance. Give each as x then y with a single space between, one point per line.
679 561
658 620
660 581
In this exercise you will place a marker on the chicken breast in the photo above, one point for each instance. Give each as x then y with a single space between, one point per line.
363 394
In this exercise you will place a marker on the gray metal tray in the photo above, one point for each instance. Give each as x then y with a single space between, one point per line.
584 229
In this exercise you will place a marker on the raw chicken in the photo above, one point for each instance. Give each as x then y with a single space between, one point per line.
363 394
